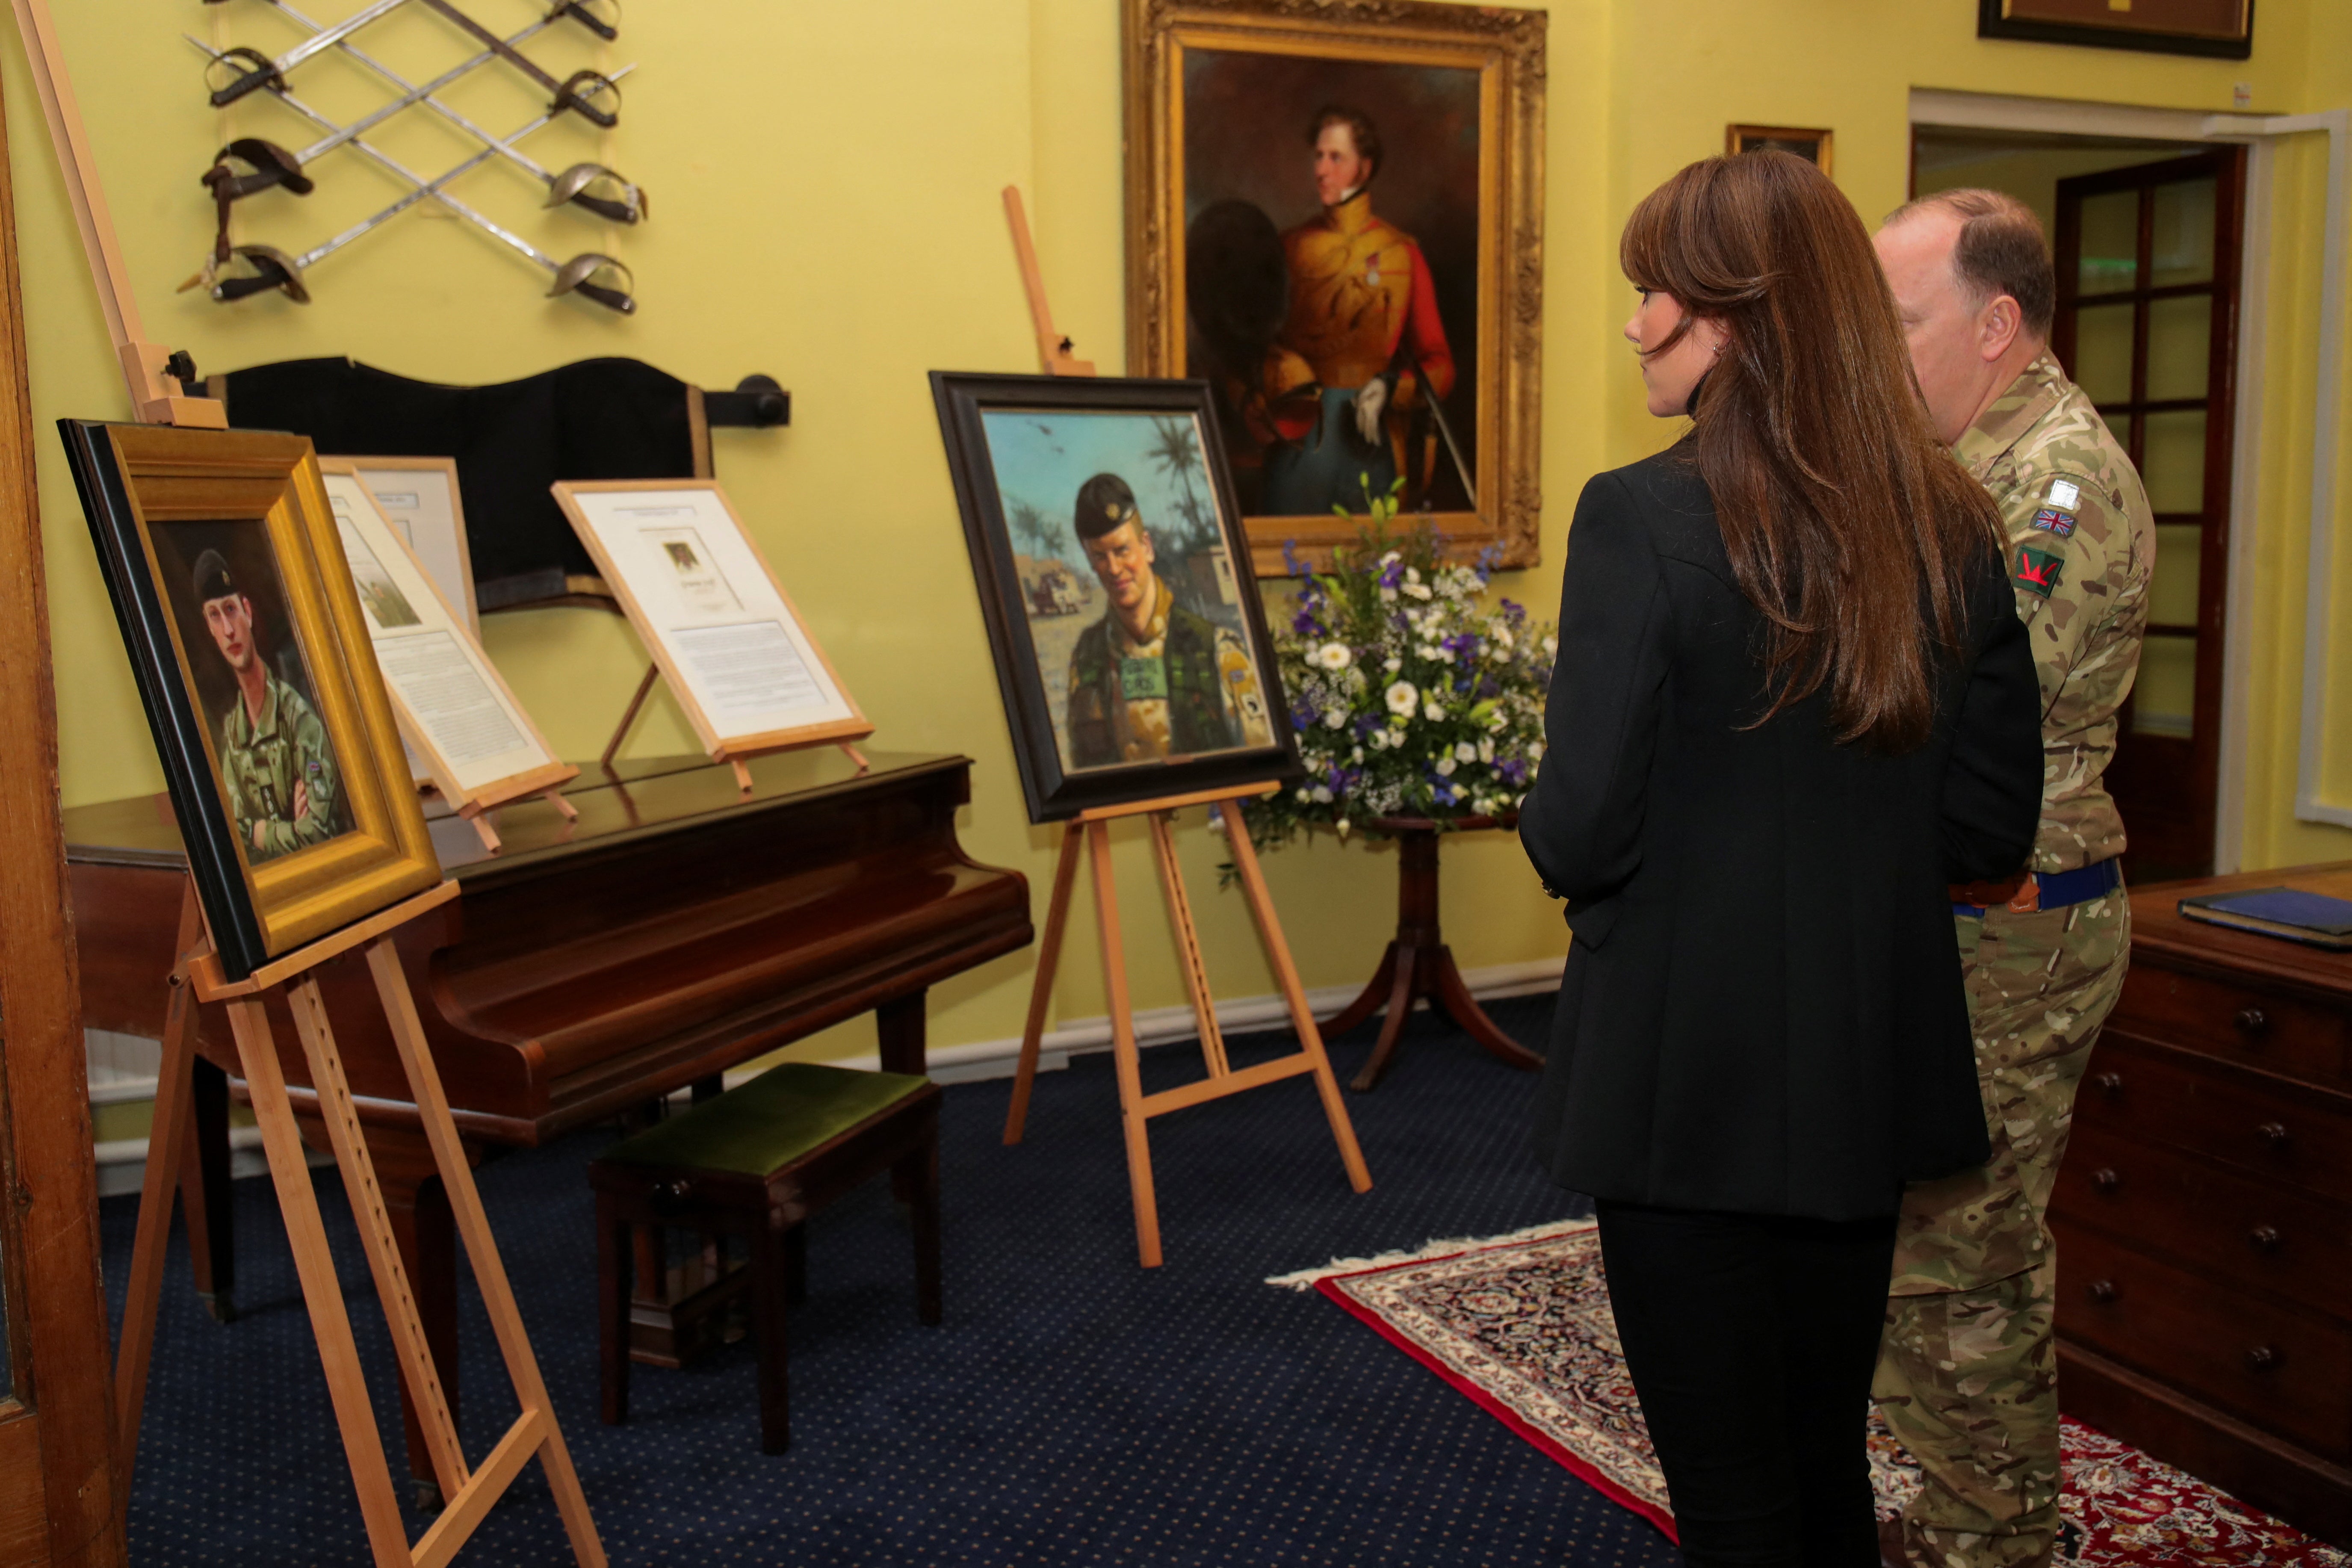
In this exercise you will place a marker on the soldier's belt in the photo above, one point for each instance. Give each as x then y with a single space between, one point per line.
2031 891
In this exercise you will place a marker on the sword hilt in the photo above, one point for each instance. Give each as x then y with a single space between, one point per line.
264 73
610 299
579 13
570 96
619 212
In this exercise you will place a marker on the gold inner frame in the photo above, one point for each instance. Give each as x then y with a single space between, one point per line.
184 476
1506 48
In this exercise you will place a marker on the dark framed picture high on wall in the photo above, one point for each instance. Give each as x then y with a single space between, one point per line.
2220 30
292 794
1335 218
1129 641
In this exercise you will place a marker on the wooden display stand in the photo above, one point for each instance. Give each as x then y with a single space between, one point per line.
740 761
469 1494
1137 1108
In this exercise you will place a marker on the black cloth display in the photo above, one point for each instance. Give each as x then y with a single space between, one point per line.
1762 1010
596 419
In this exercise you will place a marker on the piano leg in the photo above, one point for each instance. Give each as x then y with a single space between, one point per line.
205 1196
899 1024
418 1207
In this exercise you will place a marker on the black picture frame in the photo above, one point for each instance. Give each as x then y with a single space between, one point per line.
1993 24
1052 791
367 845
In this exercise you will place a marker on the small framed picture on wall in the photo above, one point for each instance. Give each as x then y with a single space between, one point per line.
2219 30
1812 146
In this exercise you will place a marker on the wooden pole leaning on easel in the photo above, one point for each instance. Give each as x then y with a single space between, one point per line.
469 1493
157 394
1137 1108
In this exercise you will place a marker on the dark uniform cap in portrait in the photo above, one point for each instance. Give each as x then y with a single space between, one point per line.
1104 503
212 579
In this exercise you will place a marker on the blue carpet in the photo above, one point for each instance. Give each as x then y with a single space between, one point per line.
1073 1408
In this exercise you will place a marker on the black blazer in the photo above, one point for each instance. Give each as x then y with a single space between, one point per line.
1761 1010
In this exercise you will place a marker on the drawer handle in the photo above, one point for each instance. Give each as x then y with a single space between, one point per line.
2110 1083
2261 1358
2264 1237
2274 1133
2105 1179
2253 1022
2103 1291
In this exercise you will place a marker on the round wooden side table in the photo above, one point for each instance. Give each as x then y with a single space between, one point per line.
1418 963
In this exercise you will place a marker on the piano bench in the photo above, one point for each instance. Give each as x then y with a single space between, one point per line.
757 1162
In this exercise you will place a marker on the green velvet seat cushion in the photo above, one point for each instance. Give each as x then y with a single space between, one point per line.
768 1123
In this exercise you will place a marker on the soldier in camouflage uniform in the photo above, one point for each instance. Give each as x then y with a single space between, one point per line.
1150 679
278 768
1968 1371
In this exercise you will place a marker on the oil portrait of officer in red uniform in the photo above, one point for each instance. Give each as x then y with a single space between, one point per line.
1331 275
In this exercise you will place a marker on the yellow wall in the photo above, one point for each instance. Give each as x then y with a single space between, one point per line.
825 194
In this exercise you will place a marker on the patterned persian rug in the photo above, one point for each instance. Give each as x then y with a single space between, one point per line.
1521 1324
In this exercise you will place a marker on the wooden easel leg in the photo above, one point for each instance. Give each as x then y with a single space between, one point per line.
555 798
537 1428
742 773
330 1323
481 821
855 756
1122 1036
1041 989
168 1144
628 716
1188 944
1277 952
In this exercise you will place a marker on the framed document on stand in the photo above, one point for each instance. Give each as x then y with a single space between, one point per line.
461 723
419 495
718 626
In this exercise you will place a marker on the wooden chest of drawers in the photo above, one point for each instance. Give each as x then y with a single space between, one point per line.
2204 1210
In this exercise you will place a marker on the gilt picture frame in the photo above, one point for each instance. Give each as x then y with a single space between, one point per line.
1813 145
2217 29
280 749
1383 334
1129 636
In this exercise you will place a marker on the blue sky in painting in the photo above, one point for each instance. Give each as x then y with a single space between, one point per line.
1043 458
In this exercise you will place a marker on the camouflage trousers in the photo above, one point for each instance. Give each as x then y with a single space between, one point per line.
1968 1376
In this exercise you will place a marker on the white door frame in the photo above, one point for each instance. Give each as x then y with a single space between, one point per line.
1990 111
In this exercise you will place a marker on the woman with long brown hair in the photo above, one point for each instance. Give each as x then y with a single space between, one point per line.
1792 702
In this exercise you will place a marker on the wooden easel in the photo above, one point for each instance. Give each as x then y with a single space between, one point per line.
195 978
1135 1107
739 760
157 394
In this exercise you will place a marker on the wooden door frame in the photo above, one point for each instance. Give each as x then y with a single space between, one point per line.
1944 110
2225 165
63 1407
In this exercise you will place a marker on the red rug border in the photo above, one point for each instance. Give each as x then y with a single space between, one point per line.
1583 1469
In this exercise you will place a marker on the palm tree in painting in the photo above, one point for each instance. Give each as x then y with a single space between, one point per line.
1176 452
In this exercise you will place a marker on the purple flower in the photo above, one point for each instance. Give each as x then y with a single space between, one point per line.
1445 793
1392 573
1513 770
1290 560
1305 623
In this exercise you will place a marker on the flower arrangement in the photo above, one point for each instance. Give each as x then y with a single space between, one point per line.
1412 696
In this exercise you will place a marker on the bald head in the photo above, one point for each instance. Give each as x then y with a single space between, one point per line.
1971 276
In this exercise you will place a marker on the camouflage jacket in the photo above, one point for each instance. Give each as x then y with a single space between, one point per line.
262 763
2082 541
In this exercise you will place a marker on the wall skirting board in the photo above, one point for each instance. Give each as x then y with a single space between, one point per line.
122 1066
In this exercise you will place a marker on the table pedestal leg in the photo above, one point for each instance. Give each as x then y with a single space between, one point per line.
1418 963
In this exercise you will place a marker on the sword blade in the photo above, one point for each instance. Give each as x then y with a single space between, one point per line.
1445 430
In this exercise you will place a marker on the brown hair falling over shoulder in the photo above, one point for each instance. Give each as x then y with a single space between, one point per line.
1848 524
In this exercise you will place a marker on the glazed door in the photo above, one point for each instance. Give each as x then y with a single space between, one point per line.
2147 325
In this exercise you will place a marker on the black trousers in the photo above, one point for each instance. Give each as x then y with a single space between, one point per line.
1751 1340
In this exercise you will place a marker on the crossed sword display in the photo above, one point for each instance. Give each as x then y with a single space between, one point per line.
589 274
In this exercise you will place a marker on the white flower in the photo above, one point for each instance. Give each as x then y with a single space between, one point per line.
1551 647
1388 595
1465 753
1392 665
1390 558
1495 721
1303 796
1332 656
1216 822
1445 766
1378 739
1403 699
1343 825
1430 710
1333 718
1501 637
1417 589
1412 573
1357 756
1322 794
1486 752
1535 751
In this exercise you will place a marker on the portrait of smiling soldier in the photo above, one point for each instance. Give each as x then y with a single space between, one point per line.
1150 679
278 777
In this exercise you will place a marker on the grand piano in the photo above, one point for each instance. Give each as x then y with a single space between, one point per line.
679 927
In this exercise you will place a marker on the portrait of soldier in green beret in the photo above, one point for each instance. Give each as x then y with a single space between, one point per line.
278 776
